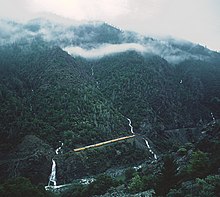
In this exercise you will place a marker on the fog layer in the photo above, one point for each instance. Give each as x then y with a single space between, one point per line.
103 50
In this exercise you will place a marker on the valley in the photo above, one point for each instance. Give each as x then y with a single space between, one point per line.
92 110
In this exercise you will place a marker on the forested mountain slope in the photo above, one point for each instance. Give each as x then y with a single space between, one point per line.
45 92
165 92
157 95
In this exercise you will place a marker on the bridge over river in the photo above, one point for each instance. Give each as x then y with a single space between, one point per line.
103 143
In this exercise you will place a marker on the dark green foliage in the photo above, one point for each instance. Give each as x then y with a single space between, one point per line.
149 182
21 187
210 144
136 184
138 181
198 165
182 151
98 187
101 185
206 187
208 73
168 178
77 190
129 174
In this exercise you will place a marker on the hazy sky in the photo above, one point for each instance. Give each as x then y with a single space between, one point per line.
194 20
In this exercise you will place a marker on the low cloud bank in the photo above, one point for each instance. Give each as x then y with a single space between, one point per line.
162 49
103 50
174 51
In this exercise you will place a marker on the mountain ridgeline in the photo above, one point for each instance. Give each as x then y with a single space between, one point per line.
47 96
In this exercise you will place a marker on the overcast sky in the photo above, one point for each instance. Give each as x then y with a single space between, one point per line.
194 20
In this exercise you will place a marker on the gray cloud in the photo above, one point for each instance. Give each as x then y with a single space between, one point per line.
103 50
70 38
18 9
193 20
160 48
